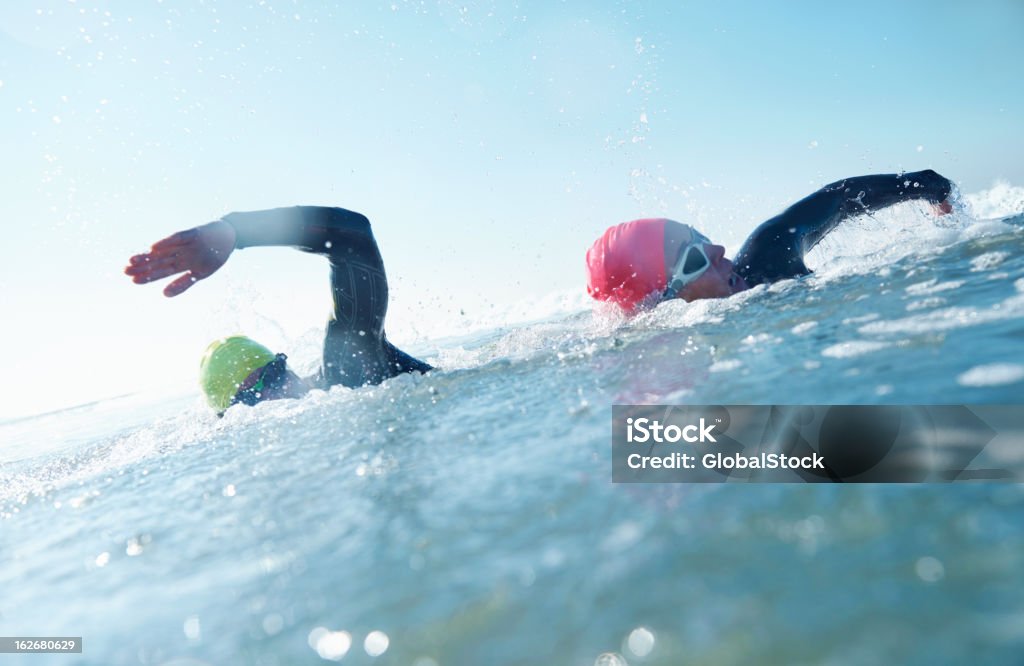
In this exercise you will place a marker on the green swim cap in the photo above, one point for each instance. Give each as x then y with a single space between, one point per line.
225 365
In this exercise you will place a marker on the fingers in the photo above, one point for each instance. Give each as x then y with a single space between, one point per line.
155 269
143 263
152 276
138 264
163 250
176 240
181 252
180 285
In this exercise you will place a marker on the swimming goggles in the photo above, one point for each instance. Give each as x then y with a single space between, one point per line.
264 383
693 261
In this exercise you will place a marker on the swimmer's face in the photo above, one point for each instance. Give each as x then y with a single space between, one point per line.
293 386
274 381
718 281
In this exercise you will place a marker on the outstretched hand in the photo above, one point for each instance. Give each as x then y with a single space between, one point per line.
197 252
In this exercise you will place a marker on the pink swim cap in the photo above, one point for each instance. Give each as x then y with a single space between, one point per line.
627 263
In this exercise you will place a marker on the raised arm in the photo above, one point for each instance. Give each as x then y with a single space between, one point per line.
356 351
199 252
776 249
866 194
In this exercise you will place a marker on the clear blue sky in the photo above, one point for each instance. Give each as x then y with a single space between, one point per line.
489 142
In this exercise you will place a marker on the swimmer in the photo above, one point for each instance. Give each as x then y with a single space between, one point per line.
642 263
237 369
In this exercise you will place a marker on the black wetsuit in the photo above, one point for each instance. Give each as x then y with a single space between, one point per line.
356 350
776 249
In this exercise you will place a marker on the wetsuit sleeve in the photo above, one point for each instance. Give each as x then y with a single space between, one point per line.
310 228
356 351
344 237
776 249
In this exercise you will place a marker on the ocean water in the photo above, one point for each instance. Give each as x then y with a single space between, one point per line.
467 516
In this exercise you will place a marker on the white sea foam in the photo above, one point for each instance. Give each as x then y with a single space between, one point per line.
803 327
926 303
992 374
1000 200
948 318
988 261
853 348
759 339
871 316
726 365
933 286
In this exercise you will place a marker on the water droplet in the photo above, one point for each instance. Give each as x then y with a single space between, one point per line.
315 635
376 643
133 548
640 642
273 624
610 659
929 569
330 645
192 630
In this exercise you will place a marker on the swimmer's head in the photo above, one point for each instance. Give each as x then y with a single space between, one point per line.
238 369
641 263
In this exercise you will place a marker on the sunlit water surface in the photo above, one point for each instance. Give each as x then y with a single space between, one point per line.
467 516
